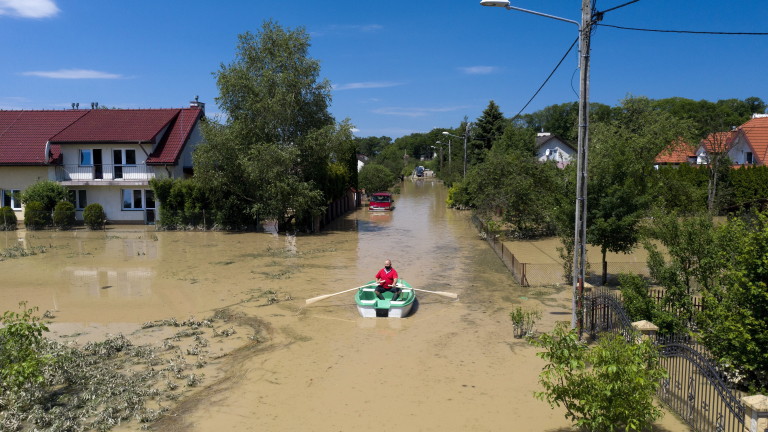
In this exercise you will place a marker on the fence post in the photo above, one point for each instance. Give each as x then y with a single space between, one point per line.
756 413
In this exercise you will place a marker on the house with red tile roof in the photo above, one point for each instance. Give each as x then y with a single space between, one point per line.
744 145
104 156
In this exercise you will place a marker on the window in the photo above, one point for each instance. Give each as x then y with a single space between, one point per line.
86 158
123 158
11 198
749 158
78 198
138 199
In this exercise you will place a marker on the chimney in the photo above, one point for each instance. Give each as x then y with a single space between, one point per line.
197 104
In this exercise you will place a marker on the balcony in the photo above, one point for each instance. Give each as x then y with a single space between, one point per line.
104 174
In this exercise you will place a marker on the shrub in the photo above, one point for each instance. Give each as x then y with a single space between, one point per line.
45 192
523 321
7 219
94 216
35 216
64 215
21 360
608 387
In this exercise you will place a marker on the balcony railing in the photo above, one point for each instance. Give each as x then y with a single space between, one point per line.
104 172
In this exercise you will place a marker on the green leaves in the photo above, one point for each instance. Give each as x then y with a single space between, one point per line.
21 362
608 387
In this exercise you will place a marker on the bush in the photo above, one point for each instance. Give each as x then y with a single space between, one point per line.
21 360
375 178
94 216
608 387
35 216
45 192
64 215
7 219
523 321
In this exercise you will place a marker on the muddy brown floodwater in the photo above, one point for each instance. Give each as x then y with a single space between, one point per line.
452 365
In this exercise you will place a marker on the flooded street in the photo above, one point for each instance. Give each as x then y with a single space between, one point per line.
452 365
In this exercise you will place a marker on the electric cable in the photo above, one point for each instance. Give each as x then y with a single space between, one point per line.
546 80
684 31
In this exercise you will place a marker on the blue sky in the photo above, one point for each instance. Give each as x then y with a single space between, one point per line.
397 66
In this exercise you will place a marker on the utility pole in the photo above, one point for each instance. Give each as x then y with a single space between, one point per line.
580 228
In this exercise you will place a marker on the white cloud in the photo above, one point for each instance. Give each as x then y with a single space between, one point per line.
366 85
415 112
29 8
479 70
73 74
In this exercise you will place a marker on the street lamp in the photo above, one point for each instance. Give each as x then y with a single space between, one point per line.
465 135
580 226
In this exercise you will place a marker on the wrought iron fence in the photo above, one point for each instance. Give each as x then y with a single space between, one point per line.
695 388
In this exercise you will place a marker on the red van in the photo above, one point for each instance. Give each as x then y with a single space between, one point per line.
381 201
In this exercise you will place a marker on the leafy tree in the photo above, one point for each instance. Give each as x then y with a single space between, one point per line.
371 146
21 358
608 387
270 160
46 192
518 188
621 162
375 178
734 321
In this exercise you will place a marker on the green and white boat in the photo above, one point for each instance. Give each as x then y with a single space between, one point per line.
371 306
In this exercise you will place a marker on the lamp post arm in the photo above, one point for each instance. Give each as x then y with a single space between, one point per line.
510 7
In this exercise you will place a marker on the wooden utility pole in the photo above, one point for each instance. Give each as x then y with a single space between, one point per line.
580 227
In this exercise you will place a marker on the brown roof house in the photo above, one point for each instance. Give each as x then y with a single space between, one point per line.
104 156
744 145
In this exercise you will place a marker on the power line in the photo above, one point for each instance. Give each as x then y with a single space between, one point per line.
546 80
684 31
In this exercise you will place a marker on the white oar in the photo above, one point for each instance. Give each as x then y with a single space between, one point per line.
442 293
323 297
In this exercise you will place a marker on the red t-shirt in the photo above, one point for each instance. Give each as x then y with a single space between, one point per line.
388 277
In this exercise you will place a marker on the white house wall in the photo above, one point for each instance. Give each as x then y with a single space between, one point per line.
20 178
559 152
738 153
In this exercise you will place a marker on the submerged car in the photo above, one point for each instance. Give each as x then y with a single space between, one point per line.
381 201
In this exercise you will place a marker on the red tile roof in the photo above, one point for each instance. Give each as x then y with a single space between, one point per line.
756 131
23 134
678 152
169 149
116 126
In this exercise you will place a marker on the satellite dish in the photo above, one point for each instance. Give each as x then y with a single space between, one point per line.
47 155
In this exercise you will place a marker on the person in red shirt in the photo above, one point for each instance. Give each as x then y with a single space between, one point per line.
387 279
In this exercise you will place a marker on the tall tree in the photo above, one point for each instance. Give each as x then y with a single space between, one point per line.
488 127
621 161
266 161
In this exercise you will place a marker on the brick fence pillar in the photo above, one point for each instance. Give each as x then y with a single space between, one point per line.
756 414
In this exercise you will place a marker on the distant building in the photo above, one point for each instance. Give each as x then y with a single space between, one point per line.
744 145
104 156
553 148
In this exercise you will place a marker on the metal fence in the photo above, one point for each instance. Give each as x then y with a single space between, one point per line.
542 274
695 388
